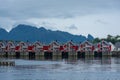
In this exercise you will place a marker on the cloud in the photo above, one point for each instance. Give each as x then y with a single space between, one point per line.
48 25
80 16
72 27
6 23
101 22
24 9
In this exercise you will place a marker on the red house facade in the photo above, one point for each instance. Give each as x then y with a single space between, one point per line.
54 46
2 47
103 46
86 47
70 46
38 47
10 47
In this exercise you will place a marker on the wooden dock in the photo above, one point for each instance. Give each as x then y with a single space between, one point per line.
58 54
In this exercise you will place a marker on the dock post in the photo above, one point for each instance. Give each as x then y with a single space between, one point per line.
72 54
57 55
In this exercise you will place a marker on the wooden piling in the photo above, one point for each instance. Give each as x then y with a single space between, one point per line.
72 54
61 54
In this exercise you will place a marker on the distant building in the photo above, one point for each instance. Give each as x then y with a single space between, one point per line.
117 46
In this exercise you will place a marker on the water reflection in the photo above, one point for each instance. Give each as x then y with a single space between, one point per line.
89 68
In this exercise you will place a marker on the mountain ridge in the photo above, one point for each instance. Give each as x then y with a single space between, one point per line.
30 33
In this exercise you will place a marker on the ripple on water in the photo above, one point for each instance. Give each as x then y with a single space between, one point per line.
62 70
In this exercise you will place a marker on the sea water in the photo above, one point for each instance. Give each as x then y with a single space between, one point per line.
63 69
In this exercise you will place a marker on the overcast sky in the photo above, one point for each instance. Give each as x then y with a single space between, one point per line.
81 17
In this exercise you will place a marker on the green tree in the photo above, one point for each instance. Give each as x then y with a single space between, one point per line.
96 40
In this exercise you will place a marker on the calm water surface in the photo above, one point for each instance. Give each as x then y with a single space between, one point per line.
64 69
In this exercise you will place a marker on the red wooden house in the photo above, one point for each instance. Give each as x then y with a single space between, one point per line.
86 47
69 46
2 47
21 47
38 47
46 48
17 48
31 48
54 46
10 47
103 46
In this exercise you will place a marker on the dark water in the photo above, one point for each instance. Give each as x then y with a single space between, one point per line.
70 69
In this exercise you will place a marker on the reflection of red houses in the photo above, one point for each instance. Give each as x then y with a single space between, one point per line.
103 46
86 47
10 47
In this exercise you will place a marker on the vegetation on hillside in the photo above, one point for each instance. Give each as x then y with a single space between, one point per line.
109 38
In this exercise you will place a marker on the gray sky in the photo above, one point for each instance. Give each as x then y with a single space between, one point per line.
96 17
